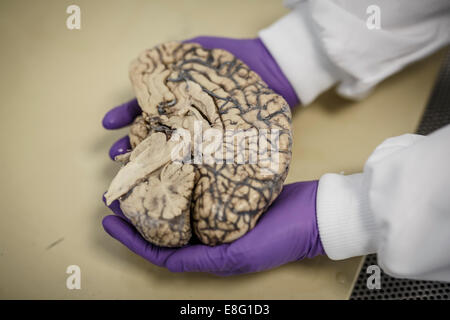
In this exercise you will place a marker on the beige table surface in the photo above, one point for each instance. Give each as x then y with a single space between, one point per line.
55 86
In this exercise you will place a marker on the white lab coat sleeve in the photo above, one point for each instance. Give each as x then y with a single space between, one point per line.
398 207
323 43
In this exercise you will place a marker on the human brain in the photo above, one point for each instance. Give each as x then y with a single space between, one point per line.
168 185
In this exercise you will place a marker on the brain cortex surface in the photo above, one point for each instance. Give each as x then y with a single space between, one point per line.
210 151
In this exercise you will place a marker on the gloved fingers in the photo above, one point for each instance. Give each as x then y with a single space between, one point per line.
209 42
125 233
201 258
119 147
122 115
204 41
115 208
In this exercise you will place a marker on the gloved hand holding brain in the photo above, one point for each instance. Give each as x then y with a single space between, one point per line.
183 87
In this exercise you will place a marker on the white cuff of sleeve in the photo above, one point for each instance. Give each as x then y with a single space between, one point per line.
347 226
296 48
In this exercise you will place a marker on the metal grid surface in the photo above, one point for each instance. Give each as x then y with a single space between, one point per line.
436 115
398 289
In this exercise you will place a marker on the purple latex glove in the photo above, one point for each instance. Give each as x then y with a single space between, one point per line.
286 232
